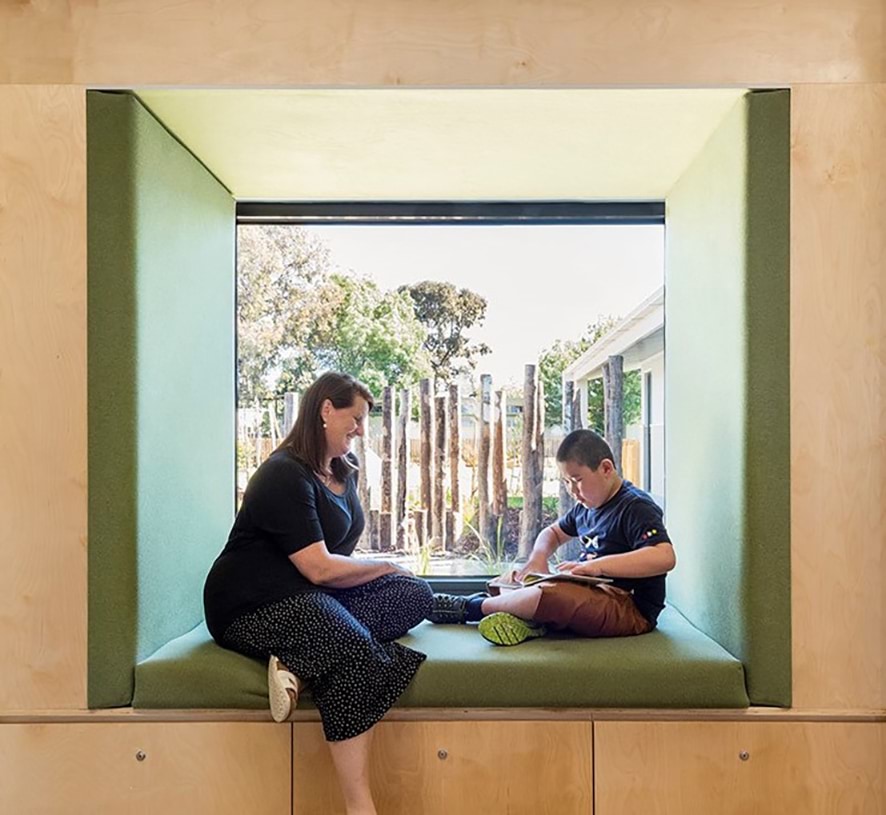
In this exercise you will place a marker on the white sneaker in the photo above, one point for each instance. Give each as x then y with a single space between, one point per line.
283 689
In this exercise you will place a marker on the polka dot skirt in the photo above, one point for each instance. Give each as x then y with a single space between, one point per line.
341 643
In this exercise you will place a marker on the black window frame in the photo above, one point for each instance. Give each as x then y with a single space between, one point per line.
452 213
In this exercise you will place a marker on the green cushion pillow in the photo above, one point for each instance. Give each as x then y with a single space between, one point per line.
676 666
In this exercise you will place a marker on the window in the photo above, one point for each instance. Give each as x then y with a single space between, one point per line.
440 308
647 431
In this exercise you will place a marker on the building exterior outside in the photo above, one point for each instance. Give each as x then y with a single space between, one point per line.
639 339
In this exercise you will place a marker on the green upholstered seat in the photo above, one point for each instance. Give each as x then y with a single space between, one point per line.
675 666
192 671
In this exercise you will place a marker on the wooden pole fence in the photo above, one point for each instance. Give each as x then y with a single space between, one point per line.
438 517
290 411
400 519
426 432
483 495
499 480
566 502
387 444
453 521
613 405
530 521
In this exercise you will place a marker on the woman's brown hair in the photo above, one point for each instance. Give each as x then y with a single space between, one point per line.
307 441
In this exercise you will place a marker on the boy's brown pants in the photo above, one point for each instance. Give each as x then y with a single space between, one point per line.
590 611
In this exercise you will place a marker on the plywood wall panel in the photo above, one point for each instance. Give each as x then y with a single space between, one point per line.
459 42
438 768
838 395
733 768
195 768
43 397
837 358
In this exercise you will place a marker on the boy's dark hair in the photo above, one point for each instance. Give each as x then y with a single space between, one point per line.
584 447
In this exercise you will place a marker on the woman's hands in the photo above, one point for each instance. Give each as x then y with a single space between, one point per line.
396 568
339 571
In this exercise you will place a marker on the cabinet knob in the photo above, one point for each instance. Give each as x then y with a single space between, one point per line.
442 755
141 755
744 755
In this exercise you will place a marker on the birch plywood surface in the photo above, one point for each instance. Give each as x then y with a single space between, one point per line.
838 395
675 768
194 768
440 768
457 43
43 397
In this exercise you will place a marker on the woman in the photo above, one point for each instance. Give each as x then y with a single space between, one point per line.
286 589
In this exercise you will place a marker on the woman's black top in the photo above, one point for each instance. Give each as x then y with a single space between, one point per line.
285 508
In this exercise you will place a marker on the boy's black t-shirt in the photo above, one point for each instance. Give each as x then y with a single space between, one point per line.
285 508
629 520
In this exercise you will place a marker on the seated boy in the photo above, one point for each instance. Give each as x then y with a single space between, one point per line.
623 538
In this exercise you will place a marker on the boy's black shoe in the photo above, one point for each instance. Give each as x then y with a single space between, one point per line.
452 608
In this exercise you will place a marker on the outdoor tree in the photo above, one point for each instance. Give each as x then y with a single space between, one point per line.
373 335
281 272
448 313
297 316
630 404
555 359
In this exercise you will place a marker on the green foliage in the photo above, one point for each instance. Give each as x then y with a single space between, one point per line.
296 317
447 313
554 360
549 503
490 555
551 364
631 404
423 562
280 274
373 335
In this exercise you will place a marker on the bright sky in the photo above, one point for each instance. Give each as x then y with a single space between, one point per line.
541 283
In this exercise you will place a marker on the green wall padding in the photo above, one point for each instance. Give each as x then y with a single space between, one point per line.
161 387
727 396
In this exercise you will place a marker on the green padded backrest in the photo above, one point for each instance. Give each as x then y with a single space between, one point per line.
727 396
161 387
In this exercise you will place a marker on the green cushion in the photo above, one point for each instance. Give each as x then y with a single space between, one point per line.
676 666
192 671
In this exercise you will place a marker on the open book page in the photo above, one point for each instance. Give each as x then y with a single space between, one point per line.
557 577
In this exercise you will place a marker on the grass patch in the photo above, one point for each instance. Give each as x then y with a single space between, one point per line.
549 504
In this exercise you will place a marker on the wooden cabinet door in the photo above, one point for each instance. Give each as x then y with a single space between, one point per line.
198 768
739 768
443 768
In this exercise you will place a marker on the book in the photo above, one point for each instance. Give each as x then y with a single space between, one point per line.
534 578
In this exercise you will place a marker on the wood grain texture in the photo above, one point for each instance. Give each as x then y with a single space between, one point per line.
838 387
538 767
838 487
456 43
473 715
670 768
43 397
200 769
